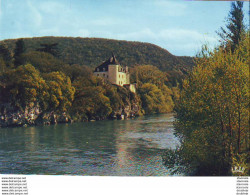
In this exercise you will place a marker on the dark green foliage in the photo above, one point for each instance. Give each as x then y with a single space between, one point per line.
44 62
49 48
231 36
19 49
5 54
74 71
92 51
92 98
6 60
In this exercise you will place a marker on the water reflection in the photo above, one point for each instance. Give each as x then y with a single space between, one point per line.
129 147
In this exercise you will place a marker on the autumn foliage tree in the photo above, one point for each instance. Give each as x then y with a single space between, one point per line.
156 96
213 112
61 91
25 87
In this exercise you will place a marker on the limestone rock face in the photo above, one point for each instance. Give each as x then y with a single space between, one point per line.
129 111
11 117
34 115
30 116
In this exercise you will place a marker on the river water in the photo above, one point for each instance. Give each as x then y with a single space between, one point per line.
131 147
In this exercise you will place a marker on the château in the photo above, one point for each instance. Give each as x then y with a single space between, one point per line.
112 71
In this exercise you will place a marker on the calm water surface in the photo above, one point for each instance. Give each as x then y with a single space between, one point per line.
130 147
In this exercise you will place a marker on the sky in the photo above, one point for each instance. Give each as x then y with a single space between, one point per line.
181 27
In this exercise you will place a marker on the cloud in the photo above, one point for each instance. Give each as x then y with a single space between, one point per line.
177 41
57 18
185 35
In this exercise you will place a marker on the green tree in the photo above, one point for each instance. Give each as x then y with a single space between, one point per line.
20 48
231 36
6 60
44 62
76 71
91 98
49 48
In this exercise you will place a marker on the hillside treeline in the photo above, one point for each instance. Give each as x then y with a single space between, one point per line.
39 82
93 51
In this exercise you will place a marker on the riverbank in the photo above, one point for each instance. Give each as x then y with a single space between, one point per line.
35 116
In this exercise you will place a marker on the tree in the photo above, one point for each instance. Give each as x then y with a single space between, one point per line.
6 54
151 83
61 92
6 60
231 36
76 71
42 61
148 74
213 111
24 87
18 51
49 48
154 100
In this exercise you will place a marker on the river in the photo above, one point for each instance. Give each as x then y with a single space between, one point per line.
131 147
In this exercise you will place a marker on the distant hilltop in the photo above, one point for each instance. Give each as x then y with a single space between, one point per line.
92 51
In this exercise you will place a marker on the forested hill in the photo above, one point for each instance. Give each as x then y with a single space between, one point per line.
92 51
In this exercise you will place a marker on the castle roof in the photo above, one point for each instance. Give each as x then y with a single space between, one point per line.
111 61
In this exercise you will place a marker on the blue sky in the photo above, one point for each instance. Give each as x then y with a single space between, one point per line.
181 27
